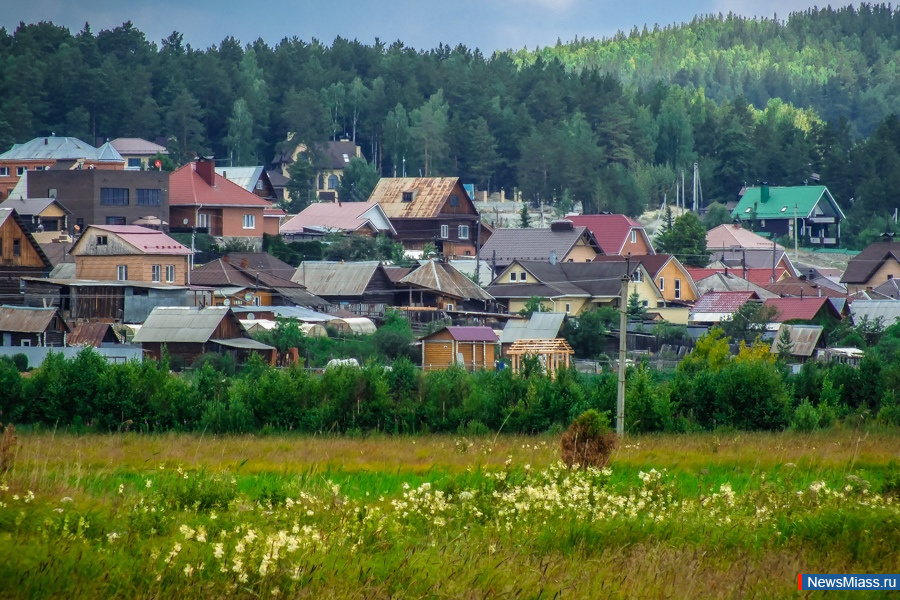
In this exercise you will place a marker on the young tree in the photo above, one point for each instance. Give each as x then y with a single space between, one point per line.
240 139
524 216
748 322
686 240
784 345
358 181
636 310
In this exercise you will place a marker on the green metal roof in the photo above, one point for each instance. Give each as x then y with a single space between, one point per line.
781 201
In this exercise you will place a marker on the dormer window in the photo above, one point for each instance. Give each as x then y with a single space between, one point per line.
102 240
407 196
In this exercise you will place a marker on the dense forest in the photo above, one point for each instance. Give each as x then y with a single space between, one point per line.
610 123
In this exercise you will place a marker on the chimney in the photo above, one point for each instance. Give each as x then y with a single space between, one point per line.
562 225
764 192
245 263
226 259
206 168
46 141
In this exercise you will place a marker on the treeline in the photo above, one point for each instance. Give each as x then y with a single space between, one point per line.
557 128
709 389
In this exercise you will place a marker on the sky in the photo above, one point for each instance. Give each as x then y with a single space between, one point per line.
423 24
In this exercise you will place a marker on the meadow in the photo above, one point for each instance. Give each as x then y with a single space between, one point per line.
708 515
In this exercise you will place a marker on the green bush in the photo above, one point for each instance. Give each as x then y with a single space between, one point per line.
806 417
20 361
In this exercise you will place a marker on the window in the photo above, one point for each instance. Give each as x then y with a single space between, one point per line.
662 283
449 307
114 196
40 168
155 273
523 276
463 232
122 272
17 247
203 220
25 343
102 240
407 196
568 308
454 200
677 288
512 276
333 182
256 301
21 171
445 231
633 236
249 221
170 273
259 184
134 164
149 197
115 220
4 171
637 276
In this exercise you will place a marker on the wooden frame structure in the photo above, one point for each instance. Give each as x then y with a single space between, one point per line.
552 353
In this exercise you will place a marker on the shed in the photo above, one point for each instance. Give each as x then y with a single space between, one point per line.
471 347
27 326
553 354
804 340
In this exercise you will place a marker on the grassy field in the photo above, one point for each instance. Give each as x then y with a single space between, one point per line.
719 515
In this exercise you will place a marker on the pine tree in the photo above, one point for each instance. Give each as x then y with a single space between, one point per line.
524 216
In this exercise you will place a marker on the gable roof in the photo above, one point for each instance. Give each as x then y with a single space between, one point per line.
333 278
794 286
137 147
722 302
611 231
429 196
10 213
720 282
338 155
586 280
804 339
26 319
246 177
530 244
804 309
52 148
478 333
91 334
781 201
188 188
441 277
262 262
864 265
222 274
340 216
28 207
541 326
730 235
173 324
889 289
108 154
142 239
886 310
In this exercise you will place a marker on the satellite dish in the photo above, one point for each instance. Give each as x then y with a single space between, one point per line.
185 221
248 297
251 316
227 302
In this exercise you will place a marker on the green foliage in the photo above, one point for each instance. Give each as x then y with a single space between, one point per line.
524 216
585 332
534 304
748 322
358 180
636 309
686 240
395 337
716 214
20 361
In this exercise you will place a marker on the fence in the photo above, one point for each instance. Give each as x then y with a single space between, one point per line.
37 354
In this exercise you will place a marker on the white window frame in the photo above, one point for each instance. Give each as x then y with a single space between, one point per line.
445 232
249 221
4 171
203 220
121 272
448 307
677 289
523 276
21 171
26 343
463 232
662 284
633 236
637 276
568 308
155 273
170 273
512 276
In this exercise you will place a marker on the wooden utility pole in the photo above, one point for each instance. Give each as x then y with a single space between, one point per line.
623 325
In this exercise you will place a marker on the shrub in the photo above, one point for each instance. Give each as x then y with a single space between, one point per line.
589 441
21 362
806 417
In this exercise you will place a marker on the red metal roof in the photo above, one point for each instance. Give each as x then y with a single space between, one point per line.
723 302
149 241
188 188
478 333
760 277
788 309
611 231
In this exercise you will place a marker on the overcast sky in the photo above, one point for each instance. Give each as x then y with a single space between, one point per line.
486 24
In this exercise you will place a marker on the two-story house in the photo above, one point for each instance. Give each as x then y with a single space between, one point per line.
874 266
776 211
561 242
20 256
130 253
434 210
201 198
616 234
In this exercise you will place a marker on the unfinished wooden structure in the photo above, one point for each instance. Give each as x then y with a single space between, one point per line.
553 354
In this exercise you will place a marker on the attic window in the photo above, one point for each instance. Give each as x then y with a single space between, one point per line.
346 158
454 200
102 240
407 196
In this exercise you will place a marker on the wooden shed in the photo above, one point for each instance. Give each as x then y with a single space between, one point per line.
553 354
472 347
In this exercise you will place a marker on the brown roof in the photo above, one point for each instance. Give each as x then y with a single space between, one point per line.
25 319
91 334
863 266
262 262
507 245
429 196
794 286
137 147
441 277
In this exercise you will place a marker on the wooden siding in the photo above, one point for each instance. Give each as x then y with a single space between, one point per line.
229 328
140 267
28 256
440 349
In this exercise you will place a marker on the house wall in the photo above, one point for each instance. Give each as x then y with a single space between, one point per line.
9 182
28 256
640 245
576 305
889 270
670 273
477 355
271 225
79 191
233 222
581 252
230 327
105 268
187 352
139 305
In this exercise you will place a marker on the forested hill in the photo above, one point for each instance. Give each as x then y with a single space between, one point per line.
749 100
841 62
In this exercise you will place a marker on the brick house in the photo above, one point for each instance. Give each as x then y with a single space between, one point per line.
130 253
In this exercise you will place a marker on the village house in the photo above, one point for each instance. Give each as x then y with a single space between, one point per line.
562 242
29 326
203 200
714 307
803 341
44 218
236 283
130 253
816 310
540 326
352 218
437 284
20 256
138 152
329 161
773 211
363 288
253 179
473 348
872 267
430 210
616 234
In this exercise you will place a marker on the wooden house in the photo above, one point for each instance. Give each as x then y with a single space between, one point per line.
45 218
27 326
351 218
435 210
773 212
190 332
20 256
253 179
470 347
437 284
130 253
363 288
237 283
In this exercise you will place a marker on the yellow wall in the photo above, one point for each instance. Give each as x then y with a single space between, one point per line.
670 273
677 315
576 305
890 267
581 252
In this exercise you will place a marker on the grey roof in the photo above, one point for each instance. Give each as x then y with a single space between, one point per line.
246 177
720 282
63 270
333 278
30 206
441 277
52 148
541 326
108 153
245 343
507 245
755 259
137 147
181 324
804 339
889 289
301 314
886 310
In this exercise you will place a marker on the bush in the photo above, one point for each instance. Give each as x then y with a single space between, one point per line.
21 362
806 417
589 441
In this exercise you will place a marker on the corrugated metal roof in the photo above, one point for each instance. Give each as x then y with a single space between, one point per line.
188 188
429 196
332 278
886 310
804 339
722 302
541 326
246 177
25 319
478 333
507 245
90 334
31 206
804 309
51 148
339 216
441 277
181 324
781 201
143 239
720 282
243 343
107 153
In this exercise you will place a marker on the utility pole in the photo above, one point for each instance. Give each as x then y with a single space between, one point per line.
796 232
623 324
